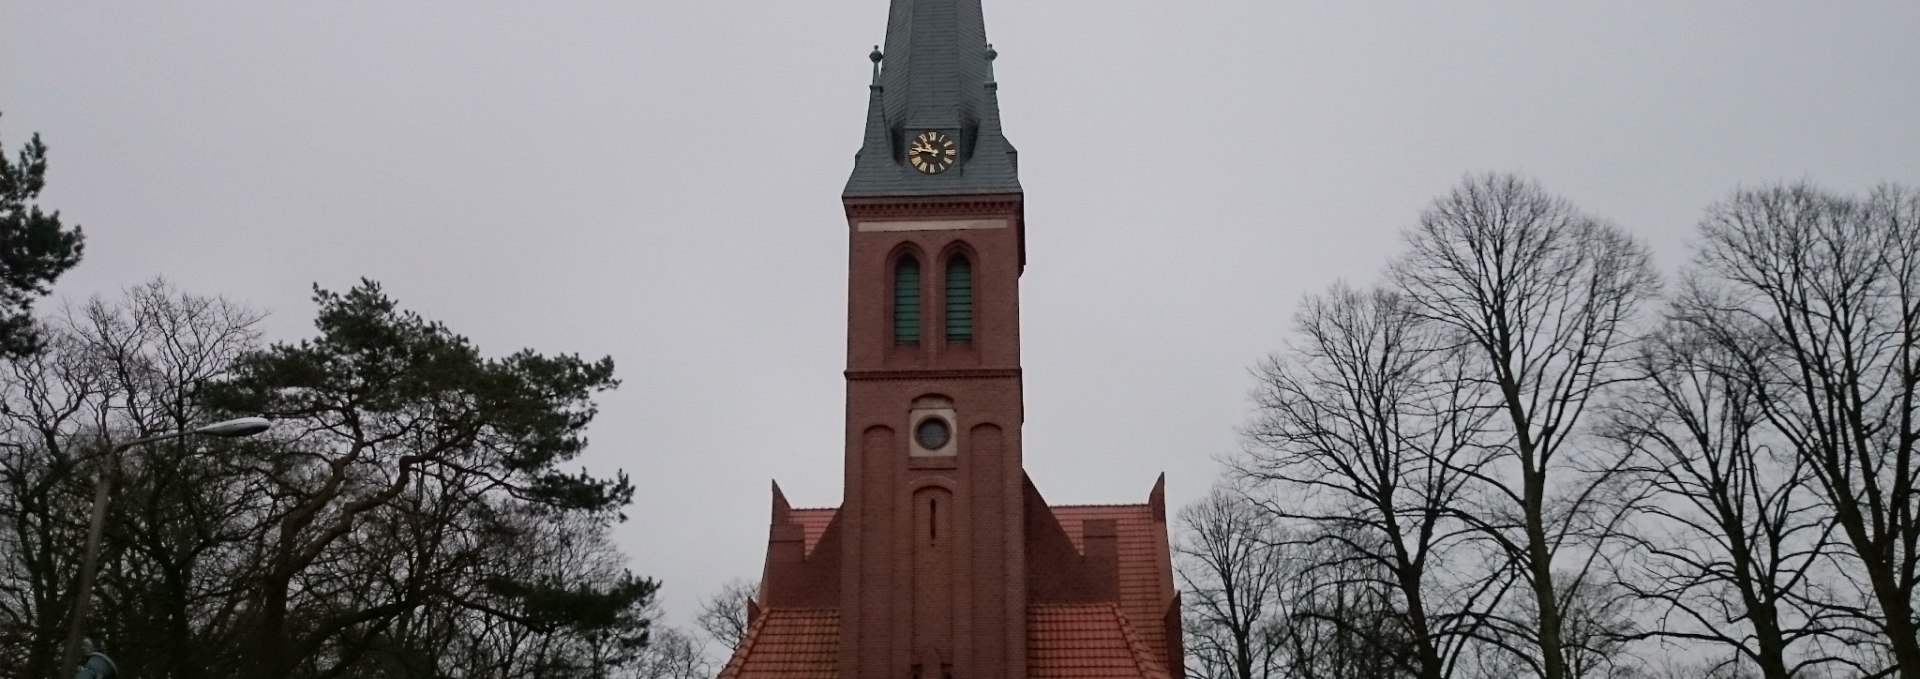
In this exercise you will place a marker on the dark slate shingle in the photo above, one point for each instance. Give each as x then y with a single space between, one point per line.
937 75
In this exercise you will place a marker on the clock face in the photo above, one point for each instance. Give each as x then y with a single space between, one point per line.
931 152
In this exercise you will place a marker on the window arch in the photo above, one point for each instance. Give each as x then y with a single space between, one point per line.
906 300
959 312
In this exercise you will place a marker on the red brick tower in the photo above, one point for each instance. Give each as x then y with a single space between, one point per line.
943 561
932 569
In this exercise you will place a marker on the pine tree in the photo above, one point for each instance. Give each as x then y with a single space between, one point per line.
35 248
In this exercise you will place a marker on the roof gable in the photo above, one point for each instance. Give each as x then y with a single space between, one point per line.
1145 568
788 644
1146 576
1086 641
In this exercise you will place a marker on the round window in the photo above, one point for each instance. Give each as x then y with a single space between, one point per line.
932 433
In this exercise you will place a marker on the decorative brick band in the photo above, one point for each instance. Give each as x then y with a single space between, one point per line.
933 206
949 374
930 225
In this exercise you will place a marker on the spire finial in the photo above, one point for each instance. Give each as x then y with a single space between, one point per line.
991 55
875 57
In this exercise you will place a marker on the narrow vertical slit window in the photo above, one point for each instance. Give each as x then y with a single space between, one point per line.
933 520
906 301
959 300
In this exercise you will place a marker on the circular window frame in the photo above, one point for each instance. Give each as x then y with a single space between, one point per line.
946 438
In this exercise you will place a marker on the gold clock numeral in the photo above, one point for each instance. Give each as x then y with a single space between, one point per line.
932 152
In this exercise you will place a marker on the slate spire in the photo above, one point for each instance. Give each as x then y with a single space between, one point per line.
935 73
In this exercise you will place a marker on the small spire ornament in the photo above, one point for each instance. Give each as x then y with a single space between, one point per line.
991 55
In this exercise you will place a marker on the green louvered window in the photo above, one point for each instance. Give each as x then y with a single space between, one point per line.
959 300
906 301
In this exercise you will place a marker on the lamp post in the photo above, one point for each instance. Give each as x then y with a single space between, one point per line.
83 598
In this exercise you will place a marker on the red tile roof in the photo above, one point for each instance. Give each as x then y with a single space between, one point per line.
1086 641
814 521
1146 581
788 644
1064 641
1146 588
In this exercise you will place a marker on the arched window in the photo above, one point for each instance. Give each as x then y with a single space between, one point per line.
959 300
906 301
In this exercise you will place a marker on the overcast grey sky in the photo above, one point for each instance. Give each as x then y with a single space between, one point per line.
659 182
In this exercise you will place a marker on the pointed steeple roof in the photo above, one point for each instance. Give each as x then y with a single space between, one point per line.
936 74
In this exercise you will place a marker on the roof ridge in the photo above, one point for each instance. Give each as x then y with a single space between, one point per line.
1141 505
797 609
1070 505
740 652
1141 654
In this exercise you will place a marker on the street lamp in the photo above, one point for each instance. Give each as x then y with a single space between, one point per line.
83 599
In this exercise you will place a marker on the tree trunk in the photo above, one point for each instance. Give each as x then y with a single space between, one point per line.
1772 654
1540 565
1427 656
270 640
1898 611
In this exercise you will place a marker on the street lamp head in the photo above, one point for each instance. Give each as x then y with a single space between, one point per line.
97 665
243 426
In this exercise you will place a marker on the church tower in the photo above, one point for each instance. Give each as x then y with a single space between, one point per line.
933 579
943 561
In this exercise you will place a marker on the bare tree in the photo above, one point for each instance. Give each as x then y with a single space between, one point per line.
1542 298
723 616
1231 576
1341 620
673 653
175 550
1368 430
1732 531
1263 602
1596 625
1816 298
